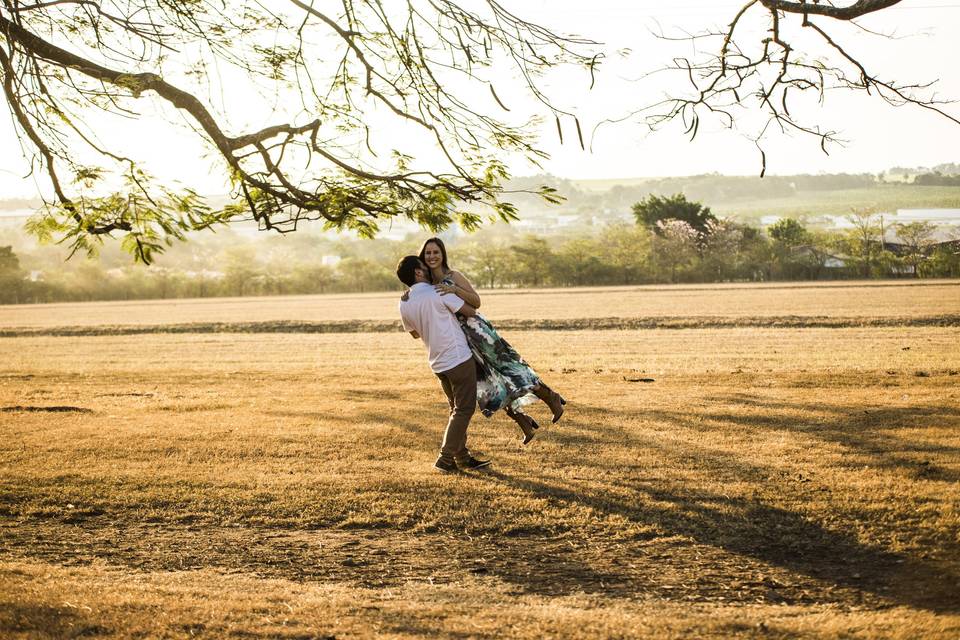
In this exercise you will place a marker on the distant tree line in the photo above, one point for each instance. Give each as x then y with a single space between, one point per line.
937 179
240 273
674 240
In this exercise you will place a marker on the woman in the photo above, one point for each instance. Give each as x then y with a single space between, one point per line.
504 380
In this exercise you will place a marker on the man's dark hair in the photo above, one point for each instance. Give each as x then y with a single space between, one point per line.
406 268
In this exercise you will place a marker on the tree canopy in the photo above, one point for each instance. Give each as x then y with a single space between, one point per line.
344 79
11 276
789 232
654 210
420 62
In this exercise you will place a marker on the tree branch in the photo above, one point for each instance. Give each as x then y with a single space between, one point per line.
850 12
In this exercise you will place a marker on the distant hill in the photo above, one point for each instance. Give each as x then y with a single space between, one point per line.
745 197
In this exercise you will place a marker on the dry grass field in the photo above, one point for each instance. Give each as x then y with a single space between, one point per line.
838 299
771 482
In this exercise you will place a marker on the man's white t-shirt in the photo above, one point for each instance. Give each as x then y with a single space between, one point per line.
432 316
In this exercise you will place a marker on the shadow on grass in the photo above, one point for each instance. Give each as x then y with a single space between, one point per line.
749 527
772 535
820 548
866 432
44 621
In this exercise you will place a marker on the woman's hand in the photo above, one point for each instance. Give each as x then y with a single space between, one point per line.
464 289
443 289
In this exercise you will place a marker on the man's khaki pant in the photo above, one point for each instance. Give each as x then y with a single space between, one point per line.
460 385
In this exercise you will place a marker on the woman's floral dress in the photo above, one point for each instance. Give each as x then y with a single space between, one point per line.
503 378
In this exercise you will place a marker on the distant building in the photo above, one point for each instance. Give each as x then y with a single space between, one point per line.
834 262
549 224
824 259
939 237
938 216
766 221
536 226
935 216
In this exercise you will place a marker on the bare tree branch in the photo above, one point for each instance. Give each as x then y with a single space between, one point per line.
815 8
747 77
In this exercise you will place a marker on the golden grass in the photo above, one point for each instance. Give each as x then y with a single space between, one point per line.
843 299
769 483
94 600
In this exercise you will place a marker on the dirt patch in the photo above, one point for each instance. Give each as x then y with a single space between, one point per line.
125 395
569 324
53 409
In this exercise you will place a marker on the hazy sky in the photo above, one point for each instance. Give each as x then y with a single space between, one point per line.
879 136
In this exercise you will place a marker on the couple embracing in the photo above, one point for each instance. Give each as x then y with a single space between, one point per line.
476 367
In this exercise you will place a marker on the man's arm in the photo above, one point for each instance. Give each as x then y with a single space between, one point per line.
467 310
407 324
455 304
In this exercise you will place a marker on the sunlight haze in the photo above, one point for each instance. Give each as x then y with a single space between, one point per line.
878 135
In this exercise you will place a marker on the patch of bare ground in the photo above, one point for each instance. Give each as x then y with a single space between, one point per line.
567 324
45 409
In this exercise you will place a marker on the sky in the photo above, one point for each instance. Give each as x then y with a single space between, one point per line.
878 136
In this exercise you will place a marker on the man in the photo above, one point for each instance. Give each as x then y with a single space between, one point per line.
429 316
